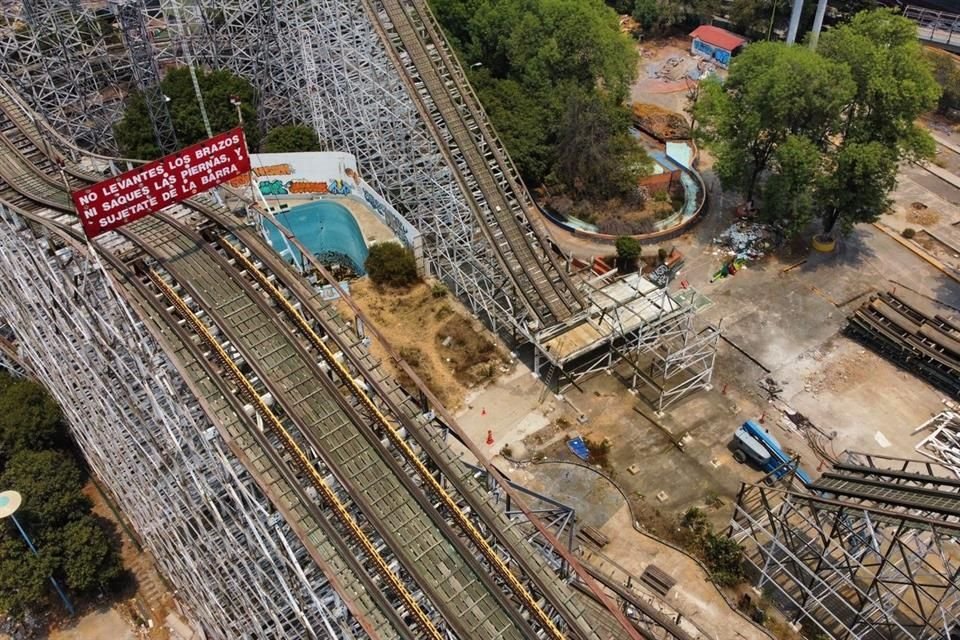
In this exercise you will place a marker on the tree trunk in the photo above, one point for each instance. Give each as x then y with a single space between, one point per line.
831 220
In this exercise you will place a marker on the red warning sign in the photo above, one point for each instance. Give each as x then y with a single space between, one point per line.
161 183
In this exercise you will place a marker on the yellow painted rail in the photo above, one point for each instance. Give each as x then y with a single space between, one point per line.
463 521
303 463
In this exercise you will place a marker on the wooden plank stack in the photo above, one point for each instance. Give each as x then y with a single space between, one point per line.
921 341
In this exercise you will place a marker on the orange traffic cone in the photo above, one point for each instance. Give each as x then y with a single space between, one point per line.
489 437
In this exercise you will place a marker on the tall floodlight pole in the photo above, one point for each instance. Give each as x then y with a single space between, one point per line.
794 21
818 23
9 503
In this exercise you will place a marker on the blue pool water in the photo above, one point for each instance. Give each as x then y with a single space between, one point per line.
326 228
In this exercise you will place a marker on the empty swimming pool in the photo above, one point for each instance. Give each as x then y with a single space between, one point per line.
324 227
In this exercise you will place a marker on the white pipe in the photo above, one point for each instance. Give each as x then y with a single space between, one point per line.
794 21
818 23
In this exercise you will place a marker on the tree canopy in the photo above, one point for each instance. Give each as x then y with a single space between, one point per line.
773 91
89 559
73 546
50 483
291 138
29 417
391 264
595 152
134 133
946 71
822 132
538 66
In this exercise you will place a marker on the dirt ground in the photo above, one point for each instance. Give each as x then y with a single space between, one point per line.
782 320
432 331
663 78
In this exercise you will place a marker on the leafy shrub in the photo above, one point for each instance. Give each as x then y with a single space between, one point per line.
391 264
908 233
724 559
628 251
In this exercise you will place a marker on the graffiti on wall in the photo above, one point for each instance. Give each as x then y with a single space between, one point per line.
301 187
266 170
389 217
720 56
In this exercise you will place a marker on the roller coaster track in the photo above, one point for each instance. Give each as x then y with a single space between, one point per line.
397 560
487 177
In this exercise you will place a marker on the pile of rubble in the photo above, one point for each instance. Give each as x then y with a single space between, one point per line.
747 240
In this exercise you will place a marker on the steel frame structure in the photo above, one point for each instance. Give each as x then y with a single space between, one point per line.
133 20
238 564
857 566
334 65
69 59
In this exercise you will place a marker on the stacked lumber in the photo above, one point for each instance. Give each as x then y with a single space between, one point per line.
919 340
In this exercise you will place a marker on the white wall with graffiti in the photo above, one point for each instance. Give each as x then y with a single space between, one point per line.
286 177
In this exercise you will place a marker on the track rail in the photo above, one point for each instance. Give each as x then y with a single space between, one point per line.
490 555
465 137
301 460
402 445
31 183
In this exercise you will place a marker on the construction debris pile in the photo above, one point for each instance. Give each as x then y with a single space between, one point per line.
747 240
660 123
921 341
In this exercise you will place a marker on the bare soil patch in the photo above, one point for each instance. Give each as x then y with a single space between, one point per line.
447 348
922 215
659 122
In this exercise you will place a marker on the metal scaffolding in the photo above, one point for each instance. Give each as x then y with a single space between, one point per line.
134 20
346 68
868 551
237 564
68 59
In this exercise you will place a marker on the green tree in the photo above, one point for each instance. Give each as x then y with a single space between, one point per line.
893 81
90 562
788 194
724 558
596 154
29 417
947 74
291 138
647 13
391 264
24 577
50 483
686 13
134 133
857 184
894 86
525 58
772 92
525 125
628 252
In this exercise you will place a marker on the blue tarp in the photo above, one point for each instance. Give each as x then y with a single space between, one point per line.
579 448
